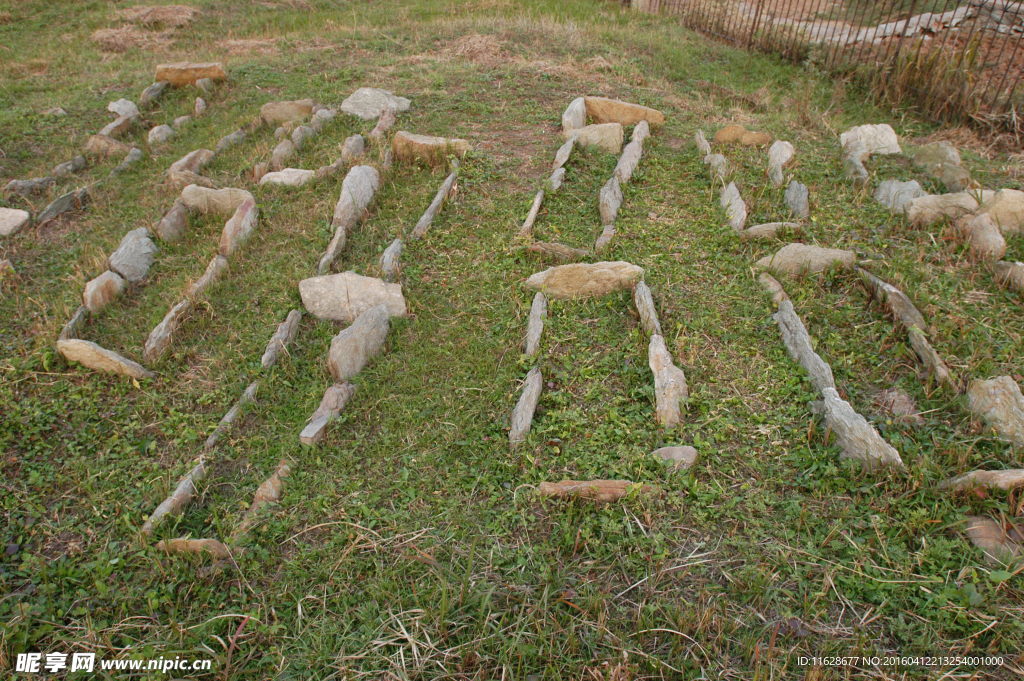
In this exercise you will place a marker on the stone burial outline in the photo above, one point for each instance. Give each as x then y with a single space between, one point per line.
589 280
105 144
606 134
365 335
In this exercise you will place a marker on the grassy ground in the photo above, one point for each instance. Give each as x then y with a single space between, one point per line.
409 545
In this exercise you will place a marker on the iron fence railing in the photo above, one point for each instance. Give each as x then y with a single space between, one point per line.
950 59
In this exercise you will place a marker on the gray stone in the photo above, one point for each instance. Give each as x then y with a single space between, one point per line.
345 296
769 230
239 227
322 117
105 146
353 348
334 400
390 260
284 335
214 201
215 269
36 185
159 135
13 220
423 224
931 208
555 181
941 161
779 154
385 122
858 439
718 166
641 131
71 327
563 153
160 338
585 280
854 155
1010 275
285 112
118 126
353 147
230 140
876 139
134 255
609 200
703 146
357 191
181 121
531 217
677 458
98 358
153 92
798 259
556 251
69 167
1005 480
200 107
289 177
73 200
205 84
193 161
535 324
628 161
797 200
670 390
370 102
644 302
124 107
133 156
284 150
734 206
522 415
102 290
896 195
301 134
999 403
799 347
575 115
173 224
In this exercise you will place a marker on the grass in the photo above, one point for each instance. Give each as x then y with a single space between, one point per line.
410 545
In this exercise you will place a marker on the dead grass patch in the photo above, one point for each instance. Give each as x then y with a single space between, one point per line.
477 48
265 46
126 37
174 16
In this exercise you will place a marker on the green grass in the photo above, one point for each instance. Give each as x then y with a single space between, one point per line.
410 544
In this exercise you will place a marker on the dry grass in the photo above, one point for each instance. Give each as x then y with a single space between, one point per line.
127 37
264 46
174 16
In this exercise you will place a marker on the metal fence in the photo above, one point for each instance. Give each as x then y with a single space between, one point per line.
952 60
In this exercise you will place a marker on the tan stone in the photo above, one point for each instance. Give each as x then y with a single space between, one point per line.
105 146
670 390
729 134
185 73
585 280
99 358
239 227
285 112
983 237
215 548
999 403
993 540
1003 480
345 296
798 259
605 136
605 110
102 290
601 491
410 147
1010 275
1006 208
755 139
214 201
353 348
930 208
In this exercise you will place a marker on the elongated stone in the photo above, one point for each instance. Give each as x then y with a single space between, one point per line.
192 162
605 110
769 230
557 251
734 206
799 347
73 200
522 415
527 227
71 327
216 549
69 167
772 286
670 390
178 499
284 335
284 150
641 131
628 162
370 102
718 166
585 280
185 73
563 153
267 494
779 154
599 491
36 185
555 181
605 238
153 92
535 324
227 422
644 302
289 177
423 224
134 255
354 347
333 402
896 195
609 200
287 111
800 259
390 260
230 140
858 439
99 358
239 227
173 224
133 156
162 335
603 136
215 269
409 147
385 122
1005 480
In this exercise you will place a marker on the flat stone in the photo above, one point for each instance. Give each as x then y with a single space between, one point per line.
896 195
535 324
526 406
159 135
993 540
678 458
353 147
575 115
555 251
598 491
644 303
98 358
12 220
124 107
609 200
409 147
134 255
185 73
182 178
214 201
1010 275
563 153
105 146
670 390
334 400
239 227
779 154
73 200
153 92
941 160
345 296
604 136
102 290
1005 480
289 177
605 110
36 185
370 102
858 439
797 341
585 280
999 403
769 230
71 327
737 134
899 405
353 348
173 224
69 167
877 139
118 126
1006 207
162 335
798 259
931 208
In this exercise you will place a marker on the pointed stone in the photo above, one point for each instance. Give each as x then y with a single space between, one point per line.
98 358
670 390
333 402
609 200
575 115
284 335
390 260
779 154
522 415
858 439
535 324
353 348
735 207
896 195
73 200
173 224
239 227
563 153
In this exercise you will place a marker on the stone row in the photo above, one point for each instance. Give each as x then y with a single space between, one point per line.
610 196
